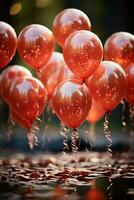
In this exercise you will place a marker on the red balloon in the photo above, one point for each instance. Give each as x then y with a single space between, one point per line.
69 21
71 102
8 43
19 120
83 53
95 194
96 113
119 47
54 72
129 95
8 76
35 45
28 98
107 85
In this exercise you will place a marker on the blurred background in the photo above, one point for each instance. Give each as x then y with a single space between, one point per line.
107 17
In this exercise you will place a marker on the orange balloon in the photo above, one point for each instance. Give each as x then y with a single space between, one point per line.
69 21
54 72
83 53
107 85
28 98
96 113
71 102
95 194
8 76
36 45
119 48
129 95
19 120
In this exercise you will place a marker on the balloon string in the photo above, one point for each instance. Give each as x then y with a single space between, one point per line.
109 189
10 127
123 115
74 140
107 133
63 132
131 110
89 138
31 135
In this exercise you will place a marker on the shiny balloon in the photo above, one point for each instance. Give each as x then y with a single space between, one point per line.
28 98
119 48
8 43
71 102
24 123
107 85
69 21
36 45
83 53
54 72
96 113
8 76
129 95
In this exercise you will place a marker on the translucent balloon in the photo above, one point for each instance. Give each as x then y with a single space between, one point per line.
83 53
107 85
28 98
119 48
36 45
71 102
8 76
129 95
54 72
8 43
69 21
96 113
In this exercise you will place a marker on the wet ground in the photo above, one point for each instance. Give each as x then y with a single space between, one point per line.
58 177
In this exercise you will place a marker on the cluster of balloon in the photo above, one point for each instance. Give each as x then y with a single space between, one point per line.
79 84
25 95
82 51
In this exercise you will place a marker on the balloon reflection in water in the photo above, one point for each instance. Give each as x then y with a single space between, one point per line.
95 194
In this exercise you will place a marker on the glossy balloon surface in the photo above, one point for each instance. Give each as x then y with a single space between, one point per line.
28 98
8 76
35 45
71 102
69 21
107 85
83 53
129 95
8 43
96 113
54 72
119 48
19 120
